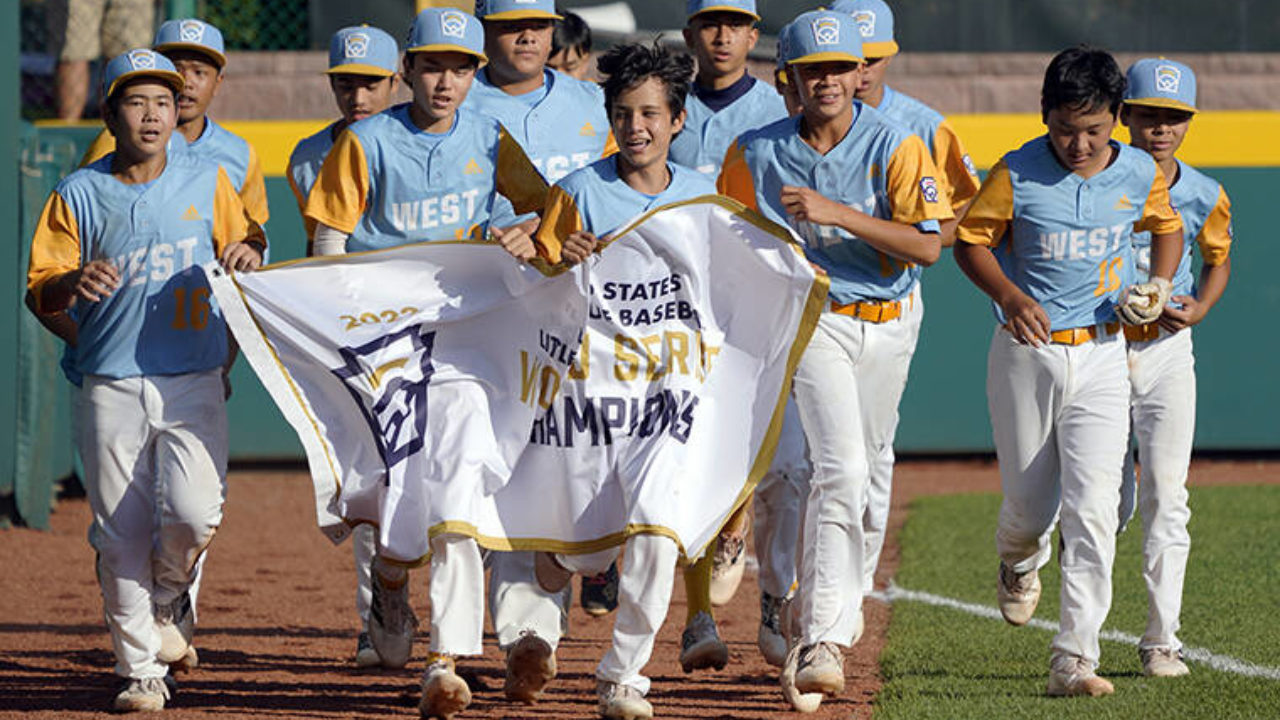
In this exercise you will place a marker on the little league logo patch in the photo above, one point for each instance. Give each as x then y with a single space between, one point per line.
142 60
826 31
929 188
191 31
968 164
1168 78
866 21
355 46
454 24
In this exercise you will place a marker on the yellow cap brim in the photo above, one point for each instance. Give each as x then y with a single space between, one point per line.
826 57
218 58
448 47
523 15
168 77
359 69
780 76
726 8
1162 103
880 49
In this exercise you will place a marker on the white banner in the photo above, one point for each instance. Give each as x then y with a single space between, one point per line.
443 387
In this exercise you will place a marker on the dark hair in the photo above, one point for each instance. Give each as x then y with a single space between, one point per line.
1082 77
571 33
625 66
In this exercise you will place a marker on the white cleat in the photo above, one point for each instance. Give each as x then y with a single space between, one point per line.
531 664
391 622
621 702
1163 662
1072 676
769 638
728 567
142 695
444 694
176 624
1017 594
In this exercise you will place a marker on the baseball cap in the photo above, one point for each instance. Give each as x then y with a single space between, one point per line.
139 63
780 62
1161 83
875 23
446 30
363 50
697 7
517 10
821 36
191 34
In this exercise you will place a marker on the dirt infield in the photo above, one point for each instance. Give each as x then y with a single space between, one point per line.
277 625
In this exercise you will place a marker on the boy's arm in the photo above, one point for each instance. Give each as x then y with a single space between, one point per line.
962 183
55 277
238 240
1214 241
254 192
58 323
1143 303
341 192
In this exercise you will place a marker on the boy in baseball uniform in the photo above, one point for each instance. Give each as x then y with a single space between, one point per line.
861 192
121 241
427 170
1063 207
1159 104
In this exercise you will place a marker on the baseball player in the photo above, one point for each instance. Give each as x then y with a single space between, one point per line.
362 76
862 194
1159 104
645 93
427 170
957 181
571 46
122 241
1064 206
196 49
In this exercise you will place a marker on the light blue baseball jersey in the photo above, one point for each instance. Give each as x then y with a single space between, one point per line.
955 167
1069 239
388 183
1206 222
161 320
564 127
879 168
304 167
707 134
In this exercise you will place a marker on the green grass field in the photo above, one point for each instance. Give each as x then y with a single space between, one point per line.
945 663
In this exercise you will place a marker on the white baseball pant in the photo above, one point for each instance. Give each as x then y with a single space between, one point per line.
457 595
364 546
518 604
1059 416
776 511
840 409
155 457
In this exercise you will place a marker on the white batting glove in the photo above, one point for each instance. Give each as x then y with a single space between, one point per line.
1143 303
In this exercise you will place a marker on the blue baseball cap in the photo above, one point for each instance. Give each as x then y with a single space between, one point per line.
697 7
441 29
875 24
140 63
517 10
191 34
363 50
780 61
821 36
1161 83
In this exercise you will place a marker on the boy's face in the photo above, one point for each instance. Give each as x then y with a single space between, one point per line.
873 77
1080 136
360 96
142 118
826 89
720 41
202 79
518 48
642 123
1157 130
439 81
571 61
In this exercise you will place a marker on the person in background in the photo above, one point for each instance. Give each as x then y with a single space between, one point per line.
571 46
81 31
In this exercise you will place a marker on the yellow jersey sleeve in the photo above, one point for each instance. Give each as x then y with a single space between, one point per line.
254 192
55 247
341 191
956 167
232 222
560 220
1158 216
915 195
1215 235
735 179
517 179
308 224
98 149
610 145
991 211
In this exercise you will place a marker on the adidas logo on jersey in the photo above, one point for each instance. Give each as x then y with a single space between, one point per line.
588 130
1123 203
472 168
191 213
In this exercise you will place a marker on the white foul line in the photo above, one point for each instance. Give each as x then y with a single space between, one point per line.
1222 663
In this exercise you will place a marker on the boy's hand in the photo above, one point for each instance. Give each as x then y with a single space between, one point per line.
515 241
1026 320
241 257
94 281
1192 312
578 247
808 204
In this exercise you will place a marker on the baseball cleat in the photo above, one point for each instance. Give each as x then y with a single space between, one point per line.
444 694
551 575
1163 662
820 670
769 638
142 695
176 624
1073 676
391 622
187 662
701 646
727 569
366 655
1018 594
531 664
600 593
801 702
621 702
